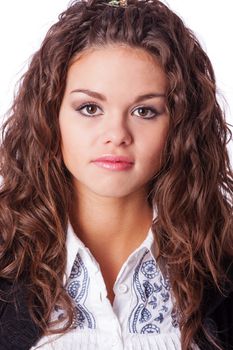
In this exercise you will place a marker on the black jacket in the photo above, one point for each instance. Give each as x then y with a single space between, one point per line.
18 332
217 318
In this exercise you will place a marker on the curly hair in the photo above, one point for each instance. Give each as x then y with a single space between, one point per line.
193 190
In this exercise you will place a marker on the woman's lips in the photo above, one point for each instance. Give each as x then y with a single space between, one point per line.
113 162
114 165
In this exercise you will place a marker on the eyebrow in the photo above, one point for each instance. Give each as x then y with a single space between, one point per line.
103 98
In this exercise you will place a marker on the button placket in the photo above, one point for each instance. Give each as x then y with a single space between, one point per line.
114 341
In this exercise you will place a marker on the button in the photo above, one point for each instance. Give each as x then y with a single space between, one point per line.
122 288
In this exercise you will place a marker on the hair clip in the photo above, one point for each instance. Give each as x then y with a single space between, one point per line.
122 3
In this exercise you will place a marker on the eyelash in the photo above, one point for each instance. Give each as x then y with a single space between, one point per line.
156 113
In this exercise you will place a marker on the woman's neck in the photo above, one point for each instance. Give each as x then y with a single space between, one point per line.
114 224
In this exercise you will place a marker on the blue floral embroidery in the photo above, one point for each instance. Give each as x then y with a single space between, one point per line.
153 301
77 288
174 316
148 288
149 269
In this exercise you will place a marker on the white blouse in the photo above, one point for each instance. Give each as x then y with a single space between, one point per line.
141 317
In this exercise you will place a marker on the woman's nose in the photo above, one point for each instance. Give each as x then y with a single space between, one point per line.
117 132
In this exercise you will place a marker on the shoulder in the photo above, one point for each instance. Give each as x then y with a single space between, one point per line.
17 330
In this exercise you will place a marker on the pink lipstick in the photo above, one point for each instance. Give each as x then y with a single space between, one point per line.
113 162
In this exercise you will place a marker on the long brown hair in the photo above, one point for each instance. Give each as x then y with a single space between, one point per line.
192 191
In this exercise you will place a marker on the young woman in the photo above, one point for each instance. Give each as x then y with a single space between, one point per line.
116 199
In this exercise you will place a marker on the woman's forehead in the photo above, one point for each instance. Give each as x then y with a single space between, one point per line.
122 65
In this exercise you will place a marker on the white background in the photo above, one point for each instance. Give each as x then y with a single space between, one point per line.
24 24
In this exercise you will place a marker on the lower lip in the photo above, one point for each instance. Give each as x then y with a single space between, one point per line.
114 165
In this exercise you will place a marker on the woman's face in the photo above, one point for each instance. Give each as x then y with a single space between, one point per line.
116 122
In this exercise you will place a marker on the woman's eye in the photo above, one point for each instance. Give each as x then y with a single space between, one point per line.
144 112
91 109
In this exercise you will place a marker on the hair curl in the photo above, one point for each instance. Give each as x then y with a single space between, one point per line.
192 191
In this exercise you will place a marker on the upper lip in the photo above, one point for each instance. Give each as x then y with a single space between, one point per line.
114 158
